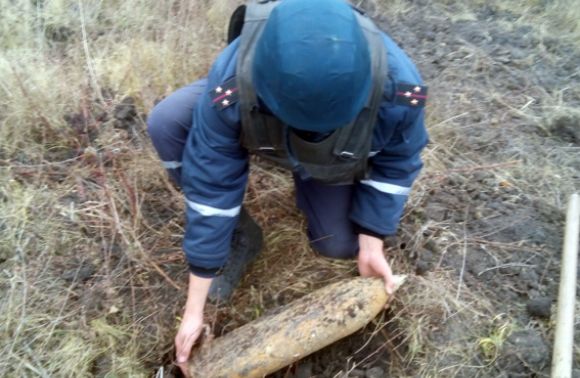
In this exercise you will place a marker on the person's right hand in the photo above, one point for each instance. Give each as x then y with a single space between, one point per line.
189 331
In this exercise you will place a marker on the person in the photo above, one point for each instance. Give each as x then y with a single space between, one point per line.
316 87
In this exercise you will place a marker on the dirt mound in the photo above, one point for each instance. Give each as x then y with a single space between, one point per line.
566 127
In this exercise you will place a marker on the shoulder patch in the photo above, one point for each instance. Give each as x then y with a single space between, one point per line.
225 95
411 95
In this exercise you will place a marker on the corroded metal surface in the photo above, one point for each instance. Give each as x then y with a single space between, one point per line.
297 330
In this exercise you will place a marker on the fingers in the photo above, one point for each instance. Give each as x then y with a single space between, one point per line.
384 270
184 342
184 369
375 264
181 353
389 279
387 276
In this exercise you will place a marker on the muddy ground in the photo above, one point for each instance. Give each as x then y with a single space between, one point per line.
484 223
480 225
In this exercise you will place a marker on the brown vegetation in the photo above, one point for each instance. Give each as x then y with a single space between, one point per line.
92 278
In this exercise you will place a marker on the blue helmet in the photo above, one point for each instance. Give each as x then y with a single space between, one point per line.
312 65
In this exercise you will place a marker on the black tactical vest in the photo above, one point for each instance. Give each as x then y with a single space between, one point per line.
341 157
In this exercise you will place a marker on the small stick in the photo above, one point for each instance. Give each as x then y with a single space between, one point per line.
564 339
464 253
508 265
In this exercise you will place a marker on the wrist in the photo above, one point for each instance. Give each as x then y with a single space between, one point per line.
358 229
369 243
196 296
193 312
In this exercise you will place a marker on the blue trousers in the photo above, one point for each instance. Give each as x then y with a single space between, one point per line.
326 207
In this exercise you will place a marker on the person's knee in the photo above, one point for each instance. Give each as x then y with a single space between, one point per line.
336 248
171 118
157 122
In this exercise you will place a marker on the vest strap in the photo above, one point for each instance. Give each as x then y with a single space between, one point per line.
339 158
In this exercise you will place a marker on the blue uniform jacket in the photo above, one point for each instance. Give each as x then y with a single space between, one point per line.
215 165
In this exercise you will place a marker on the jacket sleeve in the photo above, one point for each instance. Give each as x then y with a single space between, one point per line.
378 201
215 171
214 177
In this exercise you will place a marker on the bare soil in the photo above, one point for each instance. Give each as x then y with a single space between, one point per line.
481 67
474 223
481 237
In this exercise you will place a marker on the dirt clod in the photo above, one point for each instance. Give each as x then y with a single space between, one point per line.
525 352
356 373
126 109
375 372
81 273
540 307
422 267
567 128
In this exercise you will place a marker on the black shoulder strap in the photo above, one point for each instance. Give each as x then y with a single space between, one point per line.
236 23
359 10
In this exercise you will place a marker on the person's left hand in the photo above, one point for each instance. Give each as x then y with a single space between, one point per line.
372 261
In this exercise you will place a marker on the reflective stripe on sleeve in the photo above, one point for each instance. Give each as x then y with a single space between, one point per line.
208 211
387 188
171 164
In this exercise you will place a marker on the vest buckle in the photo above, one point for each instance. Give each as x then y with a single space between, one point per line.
347 155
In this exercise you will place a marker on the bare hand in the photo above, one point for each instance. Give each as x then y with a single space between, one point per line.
372 261
189 331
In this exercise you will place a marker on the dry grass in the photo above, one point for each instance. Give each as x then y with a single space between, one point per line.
74 189
78 193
